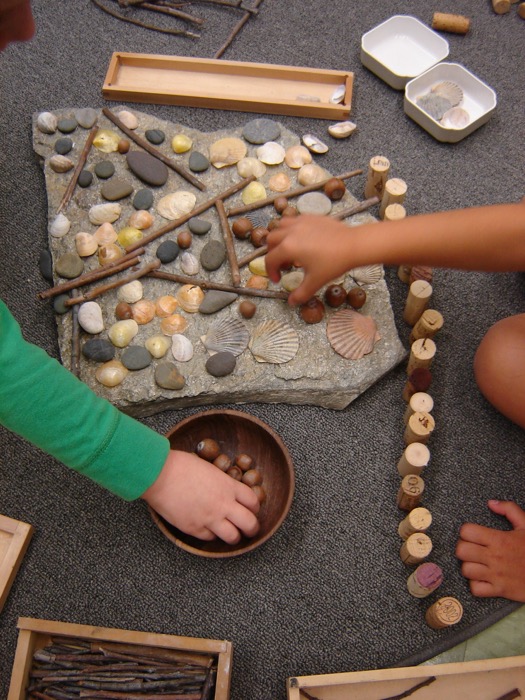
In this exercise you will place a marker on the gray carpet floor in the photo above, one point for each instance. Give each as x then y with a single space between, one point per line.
327 593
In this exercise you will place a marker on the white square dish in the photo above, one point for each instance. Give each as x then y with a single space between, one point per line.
400 48
479 101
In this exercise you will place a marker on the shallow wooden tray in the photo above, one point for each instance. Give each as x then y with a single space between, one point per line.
14 540
35 634
489 679
235 85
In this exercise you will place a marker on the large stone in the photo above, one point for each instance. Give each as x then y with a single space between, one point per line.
147 168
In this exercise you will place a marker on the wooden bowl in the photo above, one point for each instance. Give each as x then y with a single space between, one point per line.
237 432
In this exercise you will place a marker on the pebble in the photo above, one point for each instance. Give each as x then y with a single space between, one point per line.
314 203
104 169
69 265
86 118
147 168
90 317
59 304
198 162
167 252
61 164
116 189
66 126
155 136
63 146
199 226
45 265
258 131
143 199
215 300
168 376
135 357
220 364
213 255
85 178
98 349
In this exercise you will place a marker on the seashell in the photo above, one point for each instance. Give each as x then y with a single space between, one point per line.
122 333
455 118
297 156
181 143
449 90
106 141
141 219
351 334
131 292
105 233
109 253
257 282
280 182
314 203
181 348
104 213
314 144
165 305
128 119
253 192
251 166
129 235
259 218
310 173
271 153
227 335
175 205
59 226
434 105
143 311
341 130
291 280
227 151
47 123
157 346
61 164
258 266
111 373
338 95
86 244
90 317
274 341
173 324
190 297
368 274
189 264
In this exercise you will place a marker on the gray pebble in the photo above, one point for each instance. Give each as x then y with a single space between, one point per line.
85 178
147 168
168 376
155 136
63 146
59 304
135 357
213 255
69 265
199 226
66 126
86 118
167 251
143 199
98 349
104 169
198 162
215 300
259 131
220 364
116 189
45 265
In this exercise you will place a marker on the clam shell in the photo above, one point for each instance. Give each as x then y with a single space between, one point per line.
368 274
109 253
131 292
280 182
227 151
258 266
314 144
165 305
122 333
173 324
251 166
129 235
128 119
59 226
61 164
181 143
47 123
338 95
111 373
141 219
351 334
190 297
86 244
310 173
177 204
104 213
189 264
105 234
449 90
157 346
271 153
297 156
227 334
253 192
341 130
274 342
434 105
106 141
90 317
455 118
181 348
143 311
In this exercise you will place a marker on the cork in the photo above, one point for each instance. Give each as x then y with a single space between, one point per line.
422 353
394 193
409 493
378 170
418 520
419 428
414 459
395 212
420 401
415 548
418 298
418 380
446 22
444 613
424 580
501 7
429 323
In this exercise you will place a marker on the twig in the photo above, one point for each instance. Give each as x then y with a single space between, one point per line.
97 291
75 343
81 161
511 695
256 253
153 151
412 690
179 32
228 239
205 284
307 695
173 13
356 208
240 24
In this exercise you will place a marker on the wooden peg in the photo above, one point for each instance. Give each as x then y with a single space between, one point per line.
403 272
378 170
422 353
420 401
418 380
418 520
444 613
414 459
409 494
395 192
419 428
395 212
428 324
424 580
501 7
415 548
446 22
417 301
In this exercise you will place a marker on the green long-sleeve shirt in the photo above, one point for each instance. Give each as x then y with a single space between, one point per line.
48 406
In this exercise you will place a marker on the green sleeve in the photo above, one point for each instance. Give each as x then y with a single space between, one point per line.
44 403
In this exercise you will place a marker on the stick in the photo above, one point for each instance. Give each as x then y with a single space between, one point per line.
97 291
240 24
412 690
307 695
356 208
75 343
153 151
173 13
228 239
515 693
205 284
256 253
179 32
81 162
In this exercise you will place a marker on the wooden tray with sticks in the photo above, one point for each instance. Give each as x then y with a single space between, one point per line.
14 540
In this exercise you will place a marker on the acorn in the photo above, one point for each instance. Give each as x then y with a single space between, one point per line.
123 146
223 462
289 211
335 295
252 477
356 297
235 473
208 449
273 223
259 491
334 189
258 236
280 204
312 311
242 228
247 309
123 311
244 461
184 239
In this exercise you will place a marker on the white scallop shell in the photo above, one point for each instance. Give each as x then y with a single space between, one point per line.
271 153
227 151
449 90
227 334
181 348
90 317
102 213
177 204
314 144
274 342
351 334
47 122
59 226
456 118
251 166
368 274
189 263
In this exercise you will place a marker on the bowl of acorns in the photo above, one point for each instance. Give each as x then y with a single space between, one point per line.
244 448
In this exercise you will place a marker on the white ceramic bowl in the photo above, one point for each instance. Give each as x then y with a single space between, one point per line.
401 48
479 100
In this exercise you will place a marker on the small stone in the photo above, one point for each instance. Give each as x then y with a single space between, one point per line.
147 168
59 304
143 199
167 252
69 265
215 300
198 162
155 136
213 255
247 309
168 376
98 349
63 146
85 178
135 357
314 203
116 189
90 317
260 131
221 364
45 265
104 169
66 126
123 146
86 117
199 226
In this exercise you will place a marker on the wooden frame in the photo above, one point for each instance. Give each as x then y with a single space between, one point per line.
234 85
35 634
14 540
489 678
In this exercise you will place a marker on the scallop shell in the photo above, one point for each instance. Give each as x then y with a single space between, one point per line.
104 213
128 119
181 348
60 164
434 105
106 141
338 95
190 297
189 264
341 130
131 292
449 90
105 234
259 218
253 192
280 182
86 244
227 334
310 173
227 151
59 226
455 118
274 342
314 144
177 204
297 156
351 334
47 122
368 274
251 166
271 153
111 373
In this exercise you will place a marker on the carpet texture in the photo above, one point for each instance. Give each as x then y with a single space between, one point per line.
327 593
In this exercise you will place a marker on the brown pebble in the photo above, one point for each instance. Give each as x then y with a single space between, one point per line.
123 311
335 189
247 309
356 297
280 204
184 239
223 462
235 473
252 477
244 461
258 236
259 491
208 449
335 295
289 211
123 146
312 311
242 227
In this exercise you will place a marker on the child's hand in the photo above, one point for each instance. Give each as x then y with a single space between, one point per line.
202 501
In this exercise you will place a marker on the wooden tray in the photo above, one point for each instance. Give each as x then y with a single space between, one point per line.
235 85
14 540
488 679
35 634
